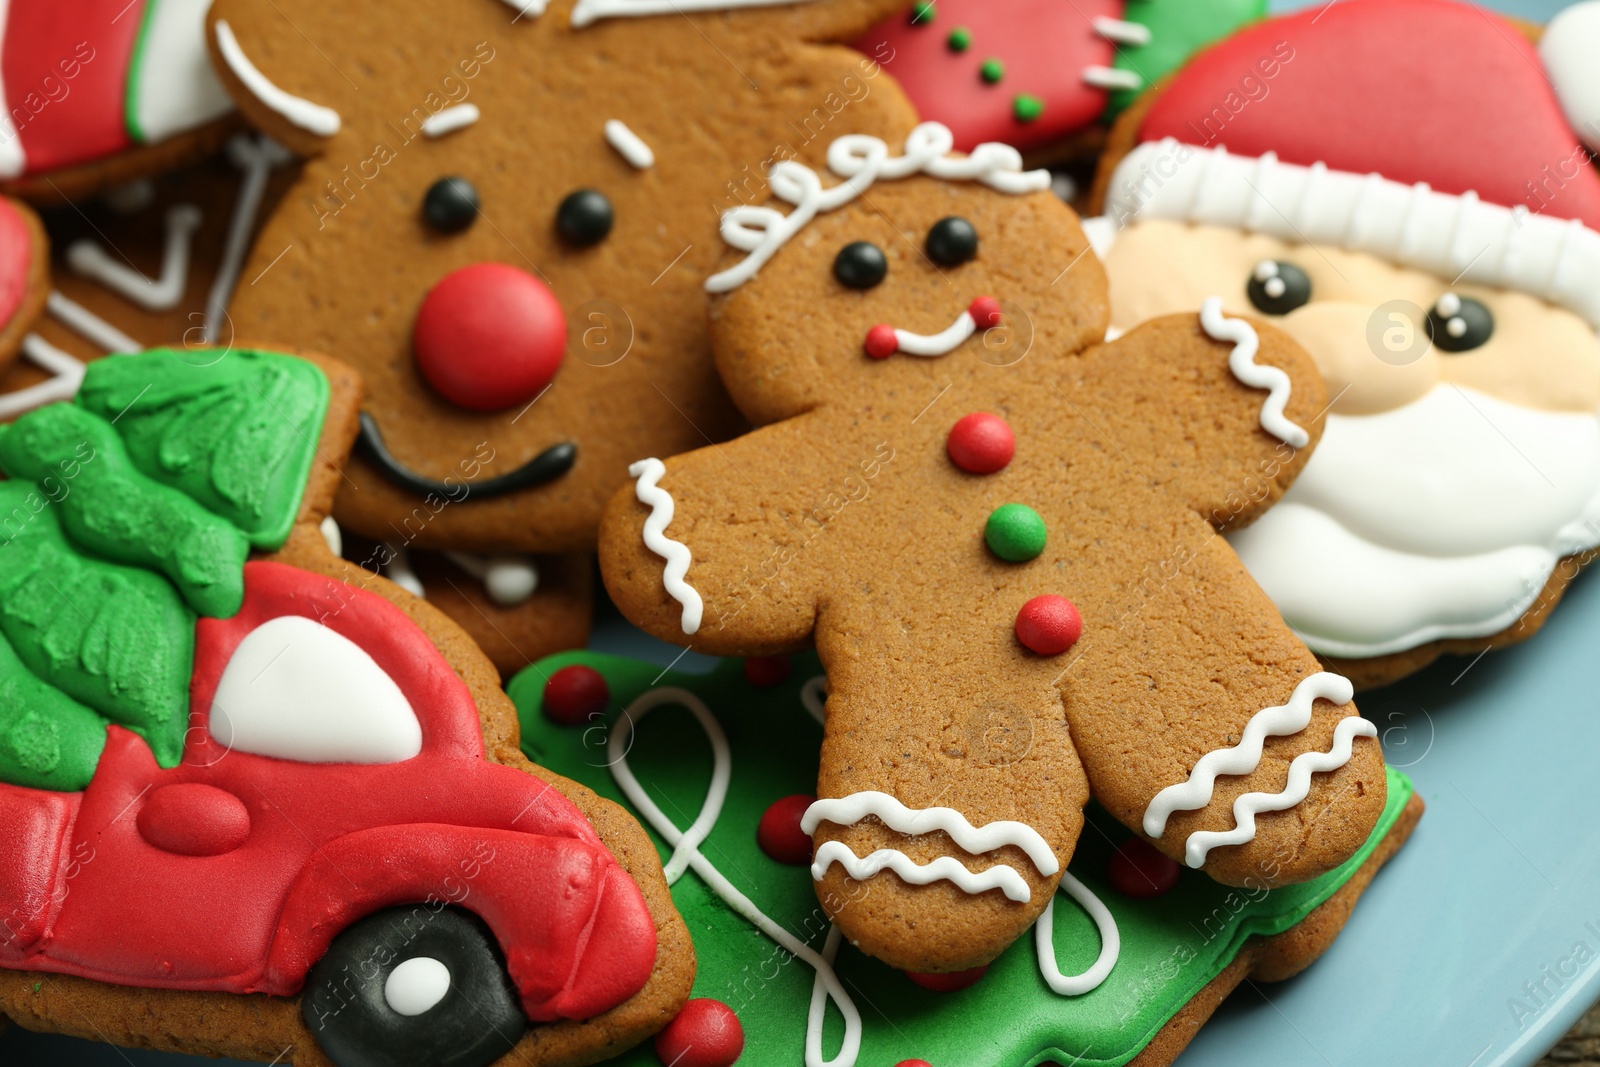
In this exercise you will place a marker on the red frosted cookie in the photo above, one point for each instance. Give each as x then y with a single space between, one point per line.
24 274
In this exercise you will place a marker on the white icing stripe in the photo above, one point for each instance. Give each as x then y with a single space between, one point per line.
850 810
676 553
256 157
398 570
1111 78
13 159
937 344
860 161
1298 787
509 580
1242 361
629 145
1121 31
66 375
90 325
587 11
450 120
332 535
313 118
1245 757
812 695
533 8
1045 944
686 854
160 294
943 869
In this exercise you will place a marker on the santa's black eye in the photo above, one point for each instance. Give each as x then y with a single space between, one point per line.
860 265
1459 323
951 241
584 217
450 205
1277 287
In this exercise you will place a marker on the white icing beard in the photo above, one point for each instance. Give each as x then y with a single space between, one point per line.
1443 518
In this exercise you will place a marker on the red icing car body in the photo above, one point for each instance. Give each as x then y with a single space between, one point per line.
235 870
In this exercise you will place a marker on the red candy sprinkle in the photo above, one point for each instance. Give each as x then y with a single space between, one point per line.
706 1033
574 695
489 336
985 311
948 983
779 833
1139 870
767 671
1049 625
981 443
881 342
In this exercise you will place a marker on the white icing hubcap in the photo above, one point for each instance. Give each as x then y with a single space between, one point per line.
417 986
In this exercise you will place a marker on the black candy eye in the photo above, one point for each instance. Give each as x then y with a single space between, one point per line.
1459 323
1277 287
450 205
584 217
951 241
860 265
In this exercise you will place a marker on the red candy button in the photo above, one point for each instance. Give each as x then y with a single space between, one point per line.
950 982
706 1033
767 671
881 342
574 695
489 336
779 833
1048 625
1141 871
985 311
981 443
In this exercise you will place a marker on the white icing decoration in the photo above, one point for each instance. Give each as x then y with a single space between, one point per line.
812 696
850 810
1045 945
13 159
676 553
1458 237
313 118
1121 31
416 986
176 90
629 145
1109 78
686 855
256 156
509 580
1242 362
1568 48
860 160
66 376
1298 787
398 570
295 689
332 535
88 259
587 11
937 344
449 120
1243 758
90 325
944 869
534 8
1440 519
1449 304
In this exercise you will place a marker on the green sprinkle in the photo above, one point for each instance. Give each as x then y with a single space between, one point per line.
1027 108
960 39
992 70
922 12
1015 533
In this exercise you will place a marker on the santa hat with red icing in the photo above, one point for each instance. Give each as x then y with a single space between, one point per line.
1426 132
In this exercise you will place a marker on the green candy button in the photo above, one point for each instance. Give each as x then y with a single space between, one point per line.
1015 532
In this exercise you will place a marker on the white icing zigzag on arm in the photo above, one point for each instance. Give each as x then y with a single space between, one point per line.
676 553
1248 806
943 869
847 811
1256 375
1245 757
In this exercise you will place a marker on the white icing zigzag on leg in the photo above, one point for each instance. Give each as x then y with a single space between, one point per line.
944 869
847 811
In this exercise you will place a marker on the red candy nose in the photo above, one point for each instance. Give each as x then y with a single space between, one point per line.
489 336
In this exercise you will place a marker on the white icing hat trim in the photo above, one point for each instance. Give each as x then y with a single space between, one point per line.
313 118
1455 237
1569 49
860 160
587 11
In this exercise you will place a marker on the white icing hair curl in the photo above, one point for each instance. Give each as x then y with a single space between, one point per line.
860 160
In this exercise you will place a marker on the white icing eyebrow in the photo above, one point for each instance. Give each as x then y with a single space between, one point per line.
450 120
629 145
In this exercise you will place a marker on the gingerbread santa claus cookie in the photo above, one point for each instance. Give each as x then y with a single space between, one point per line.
1322 171
987 520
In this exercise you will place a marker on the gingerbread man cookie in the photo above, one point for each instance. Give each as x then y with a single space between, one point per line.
993 526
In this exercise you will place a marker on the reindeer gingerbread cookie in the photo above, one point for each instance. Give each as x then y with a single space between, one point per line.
995 528
505 227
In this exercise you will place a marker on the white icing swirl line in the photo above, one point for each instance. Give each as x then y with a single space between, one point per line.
943 869
1248 806
256 157
1045 944
1243 363
686 854
1245 757
66 376
629 145
89 325
313 118
450 120
676 553
154 294
587 11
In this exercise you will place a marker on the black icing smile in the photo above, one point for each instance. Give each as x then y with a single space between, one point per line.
547 466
